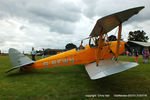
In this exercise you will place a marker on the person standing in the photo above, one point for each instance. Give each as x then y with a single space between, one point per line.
44 53
143 54
127 53
133 52
136 55
33 53
146 55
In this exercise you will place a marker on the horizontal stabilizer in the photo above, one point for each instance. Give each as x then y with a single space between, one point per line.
18 59
107 67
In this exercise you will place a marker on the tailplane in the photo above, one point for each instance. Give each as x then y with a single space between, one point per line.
18 59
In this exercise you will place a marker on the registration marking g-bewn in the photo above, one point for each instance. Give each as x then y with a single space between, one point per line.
58 62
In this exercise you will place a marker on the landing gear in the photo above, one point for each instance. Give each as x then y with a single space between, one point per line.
114 59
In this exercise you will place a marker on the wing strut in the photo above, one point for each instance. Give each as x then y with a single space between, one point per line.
100 46
118 41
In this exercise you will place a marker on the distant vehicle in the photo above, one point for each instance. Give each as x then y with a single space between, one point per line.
39 54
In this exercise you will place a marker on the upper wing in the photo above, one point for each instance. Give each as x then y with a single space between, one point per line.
109 22
145 44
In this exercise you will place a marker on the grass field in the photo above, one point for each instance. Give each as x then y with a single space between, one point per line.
72 83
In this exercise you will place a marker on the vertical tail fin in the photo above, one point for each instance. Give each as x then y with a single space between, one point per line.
18 59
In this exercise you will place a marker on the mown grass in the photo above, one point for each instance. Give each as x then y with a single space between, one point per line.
72 83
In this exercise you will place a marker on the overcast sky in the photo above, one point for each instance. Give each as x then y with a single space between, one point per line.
54 23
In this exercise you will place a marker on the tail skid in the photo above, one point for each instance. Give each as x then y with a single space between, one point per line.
18 59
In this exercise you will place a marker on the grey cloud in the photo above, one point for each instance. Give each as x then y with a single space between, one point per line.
22 27
102 8
62 12
5 38
42 20
62 27
8 36
43 12
51 43
2 41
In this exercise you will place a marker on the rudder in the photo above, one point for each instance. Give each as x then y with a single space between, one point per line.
18 59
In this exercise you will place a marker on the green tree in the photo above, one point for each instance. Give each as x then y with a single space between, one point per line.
137 36
112 38
70 46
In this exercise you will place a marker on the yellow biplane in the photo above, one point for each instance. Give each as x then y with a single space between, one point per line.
100 58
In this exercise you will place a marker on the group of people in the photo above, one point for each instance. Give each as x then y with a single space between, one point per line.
33 54
145 54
